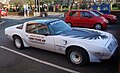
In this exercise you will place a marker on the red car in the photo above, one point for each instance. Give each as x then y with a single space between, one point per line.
85 18
111 18
3 12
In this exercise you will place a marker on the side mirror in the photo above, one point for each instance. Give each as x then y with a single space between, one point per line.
46 34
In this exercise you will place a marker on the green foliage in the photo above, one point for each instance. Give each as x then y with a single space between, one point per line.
52 1
115 8
10 10
29 2
21 2
16 2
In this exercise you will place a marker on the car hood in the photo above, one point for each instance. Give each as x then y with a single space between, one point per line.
88 35
108 15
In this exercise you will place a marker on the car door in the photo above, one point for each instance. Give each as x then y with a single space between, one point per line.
86 19
74 18
37 35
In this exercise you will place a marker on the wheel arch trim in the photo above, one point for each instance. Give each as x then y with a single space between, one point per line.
77 47
25 44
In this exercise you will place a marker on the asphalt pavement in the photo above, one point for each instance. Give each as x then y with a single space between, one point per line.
33 60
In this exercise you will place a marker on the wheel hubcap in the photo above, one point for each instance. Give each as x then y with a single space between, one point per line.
98 26
75 57
18 43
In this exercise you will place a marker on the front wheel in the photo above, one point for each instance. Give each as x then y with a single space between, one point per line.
18 42
98 26
77 56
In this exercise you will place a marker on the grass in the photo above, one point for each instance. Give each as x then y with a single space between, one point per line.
115 8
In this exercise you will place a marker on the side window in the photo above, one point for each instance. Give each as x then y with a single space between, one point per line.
85 14
20 27
37 29
43 30
82 14
74 14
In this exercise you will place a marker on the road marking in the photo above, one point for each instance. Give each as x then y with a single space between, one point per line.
2 22
40 61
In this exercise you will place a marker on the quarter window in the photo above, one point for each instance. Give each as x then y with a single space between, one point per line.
20 27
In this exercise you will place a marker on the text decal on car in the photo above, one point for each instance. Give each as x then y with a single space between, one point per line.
36 39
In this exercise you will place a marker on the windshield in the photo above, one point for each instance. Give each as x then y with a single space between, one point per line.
94 13
99 13
58 27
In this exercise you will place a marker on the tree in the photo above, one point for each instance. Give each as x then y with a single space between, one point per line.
30 2
16 2
21 2
72 4
68 2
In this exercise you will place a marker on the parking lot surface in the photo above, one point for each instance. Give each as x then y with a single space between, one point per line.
33 60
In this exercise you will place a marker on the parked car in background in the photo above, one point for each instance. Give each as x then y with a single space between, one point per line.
3 12
111 18
78 44
85 18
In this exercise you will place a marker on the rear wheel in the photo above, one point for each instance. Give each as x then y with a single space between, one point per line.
98 26
77 56
18 42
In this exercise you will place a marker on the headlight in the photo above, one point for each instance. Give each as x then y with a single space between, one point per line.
105 20
114 17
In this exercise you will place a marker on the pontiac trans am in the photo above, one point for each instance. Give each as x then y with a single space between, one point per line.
80 45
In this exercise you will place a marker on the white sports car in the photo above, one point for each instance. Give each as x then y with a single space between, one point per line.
80 45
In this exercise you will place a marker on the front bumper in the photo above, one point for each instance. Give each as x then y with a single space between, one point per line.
111 48
104 25
115 54
113 21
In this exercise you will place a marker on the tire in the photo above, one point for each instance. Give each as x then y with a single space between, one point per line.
18 43
98 26
77 56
